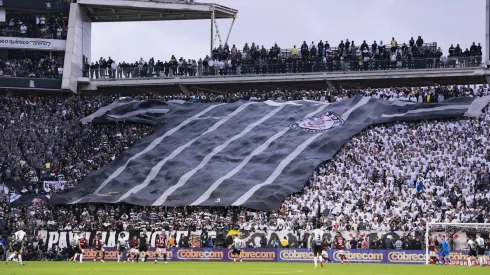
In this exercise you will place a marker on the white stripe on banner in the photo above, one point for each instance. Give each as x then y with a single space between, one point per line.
156 169
475 108
245 161
137 112
277 104
103 110
150 147
403 103
425 110
361 102
215 151
277 172
315 102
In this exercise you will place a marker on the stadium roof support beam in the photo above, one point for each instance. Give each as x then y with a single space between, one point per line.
231 27
184 89
212 34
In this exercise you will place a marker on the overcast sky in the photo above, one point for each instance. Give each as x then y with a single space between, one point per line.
289 23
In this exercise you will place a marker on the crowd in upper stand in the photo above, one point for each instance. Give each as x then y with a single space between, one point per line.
315 57
40 67
390 177
48 26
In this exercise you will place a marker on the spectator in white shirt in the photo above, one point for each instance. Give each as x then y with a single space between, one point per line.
23 29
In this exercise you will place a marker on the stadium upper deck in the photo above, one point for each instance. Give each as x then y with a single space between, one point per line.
177 10
317 80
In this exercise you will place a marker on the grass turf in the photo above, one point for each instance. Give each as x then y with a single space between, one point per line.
229 268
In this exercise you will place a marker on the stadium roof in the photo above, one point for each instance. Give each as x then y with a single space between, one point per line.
153 10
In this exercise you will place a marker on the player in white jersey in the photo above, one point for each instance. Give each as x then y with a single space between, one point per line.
472 252
20 235
237 244
480 249
122 246
76 247
317 245
18 246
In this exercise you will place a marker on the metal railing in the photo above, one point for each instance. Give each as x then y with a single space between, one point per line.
33 34
299 66
334 51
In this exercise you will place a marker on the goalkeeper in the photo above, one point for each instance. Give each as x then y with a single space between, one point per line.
445 251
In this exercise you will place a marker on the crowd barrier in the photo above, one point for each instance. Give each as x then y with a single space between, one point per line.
366 256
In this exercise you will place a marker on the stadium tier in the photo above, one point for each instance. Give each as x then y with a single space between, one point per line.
370 185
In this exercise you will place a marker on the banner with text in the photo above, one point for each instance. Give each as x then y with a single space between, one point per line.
30 83
249 238
32 43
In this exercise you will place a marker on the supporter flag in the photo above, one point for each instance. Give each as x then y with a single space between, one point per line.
251 154
233 232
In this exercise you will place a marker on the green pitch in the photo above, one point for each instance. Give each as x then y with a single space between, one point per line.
229 268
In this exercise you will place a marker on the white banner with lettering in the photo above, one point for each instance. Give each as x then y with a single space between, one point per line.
32 43
54 185
63 238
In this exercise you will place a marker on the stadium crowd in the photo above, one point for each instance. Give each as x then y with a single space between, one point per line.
42 67
49 26
316 57
394 177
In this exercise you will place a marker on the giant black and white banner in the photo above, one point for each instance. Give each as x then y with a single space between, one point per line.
250 154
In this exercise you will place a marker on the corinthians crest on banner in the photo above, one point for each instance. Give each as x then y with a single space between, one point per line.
317 124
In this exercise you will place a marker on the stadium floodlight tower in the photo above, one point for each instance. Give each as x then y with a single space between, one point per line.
456 233
83 13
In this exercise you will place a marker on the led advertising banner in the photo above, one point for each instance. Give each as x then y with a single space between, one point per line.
366 256
48 5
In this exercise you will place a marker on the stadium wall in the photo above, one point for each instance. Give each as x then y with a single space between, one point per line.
78 46
366 256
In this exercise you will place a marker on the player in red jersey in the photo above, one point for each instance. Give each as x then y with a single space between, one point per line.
99 247
340 245
134 252
432 252
161 247
82 245
325 246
